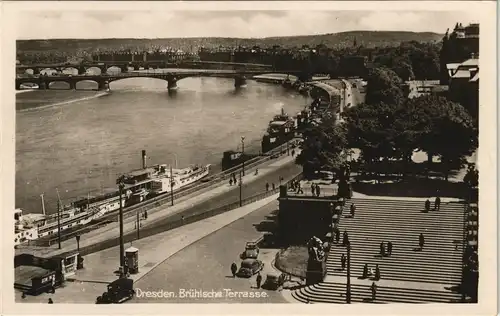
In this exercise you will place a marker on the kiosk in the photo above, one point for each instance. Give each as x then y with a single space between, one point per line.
132 259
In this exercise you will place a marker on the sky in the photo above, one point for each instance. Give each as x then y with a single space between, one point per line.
243 24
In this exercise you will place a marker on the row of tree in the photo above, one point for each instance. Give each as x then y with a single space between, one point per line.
391 127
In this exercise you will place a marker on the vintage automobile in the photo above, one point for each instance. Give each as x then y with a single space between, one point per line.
118 292
249 267
251 251
274 281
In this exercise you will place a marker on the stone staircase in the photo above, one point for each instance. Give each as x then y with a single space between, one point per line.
401 222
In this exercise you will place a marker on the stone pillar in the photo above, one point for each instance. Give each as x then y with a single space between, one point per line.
240 81
36 71
103 85
18 85
136 67
124 68
82 70
172 83
72 84
104 69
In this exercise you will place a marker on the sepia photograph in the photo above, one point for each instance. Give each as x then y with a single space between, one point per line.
322 154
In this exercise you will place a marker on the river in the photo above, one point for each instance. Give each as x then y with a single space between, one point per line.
81 141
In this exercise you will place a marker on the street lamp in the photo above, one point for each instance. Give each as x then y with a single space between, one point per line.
121 186
243 154
77 243
348 287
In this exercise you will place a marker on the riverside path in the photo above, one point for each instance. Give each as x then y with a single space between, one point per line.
409 275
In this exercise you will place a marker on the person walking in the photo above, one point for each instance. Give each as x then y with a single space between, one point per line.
377 273
389 248
50 301
437 204
230 182
343 260
313 189
293 152
421 241
382 249
374 291
274 187
337 236
345 239
234 268
259 280
353 210
267 186
365 271
145 214
318 190
427 205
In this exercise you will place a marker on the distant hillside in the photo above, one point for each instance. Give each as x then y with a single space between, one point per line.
335 40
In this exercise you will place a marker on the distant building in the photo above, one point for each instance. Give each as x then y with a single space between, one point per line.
464 84
417 88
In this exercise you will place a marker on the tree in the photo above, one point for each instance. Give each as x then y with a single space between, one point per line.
324 146
384 86
446 128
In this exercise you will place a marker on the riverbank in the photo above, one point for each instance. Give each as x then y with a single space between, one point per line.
28 100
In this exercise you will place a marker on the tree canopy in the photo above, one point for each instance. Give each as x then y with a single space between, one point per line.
324 146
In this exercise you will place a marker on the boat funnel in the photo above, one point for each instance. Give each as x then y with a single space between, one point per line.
143 159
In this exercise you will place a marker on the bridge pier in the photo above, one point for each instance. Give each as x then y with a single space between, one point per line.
36 71
172 84
124 68
136 67
104 69
72 85
240 82
103 85
82 70
42 85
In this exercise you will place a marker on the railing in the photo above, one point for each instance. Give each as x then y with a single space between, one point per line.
175 223
166 198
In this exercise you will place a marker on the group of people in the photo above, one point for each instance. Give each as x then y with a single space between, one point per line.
234 269
385 251
370 272
437 204
232 180
295 186
315 189
273 186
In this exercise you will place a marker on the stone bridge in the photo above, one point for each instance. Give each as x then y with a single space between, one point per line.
171 76
136 65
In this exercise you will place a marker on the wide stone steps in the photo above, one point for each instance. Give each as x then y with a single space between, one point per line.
335 293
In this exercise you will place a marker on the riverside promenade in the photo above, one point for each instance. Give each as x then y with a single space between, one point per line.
268 172
90 282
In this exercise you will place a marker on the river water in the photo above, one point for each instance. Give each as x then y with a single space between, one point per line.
82 146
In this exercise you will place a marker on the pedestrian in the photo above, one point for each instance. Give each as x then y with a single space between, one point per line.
318 190
353 210
23 295
374 291
377 273
437 204
427 205
382 249
421 241
267 186
234 268
389 248
230 182
343 261
345 239
145 214
365 271
274 187
256 171
337 236
259 280
312 189
51 301
293 152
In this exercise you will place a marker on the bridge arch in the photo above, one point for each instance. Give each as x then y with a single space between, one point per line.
70 71
58 85
48 71
94 70
86 85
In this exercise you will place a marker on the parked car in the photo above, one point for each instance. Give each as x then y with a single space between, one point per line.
249 267
274 281
251 251
118 291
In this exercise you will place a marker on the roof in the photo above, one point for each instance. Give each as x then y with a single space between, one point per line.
248 261
452 66
461 74
470 62
476 78
138 172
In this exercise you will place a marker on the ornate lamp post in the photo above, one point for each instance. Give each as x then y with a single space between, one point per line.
240 183
243 153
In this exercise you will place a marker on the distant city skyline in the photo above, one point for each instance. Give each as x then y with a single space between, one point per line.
240 24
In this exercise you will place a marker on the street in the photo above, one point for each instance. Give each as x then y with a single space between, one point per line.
205 265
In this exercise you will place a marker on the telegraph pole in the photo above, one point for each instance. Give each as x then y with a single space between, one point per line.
58 219
243 153
138 224
122 247
348 287
241 187
171 187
